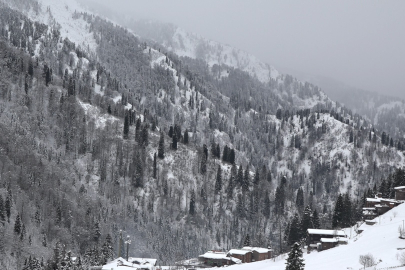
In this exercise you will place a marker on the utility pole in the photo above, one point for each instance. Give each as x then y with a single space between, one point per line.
119 244
128 242
279 226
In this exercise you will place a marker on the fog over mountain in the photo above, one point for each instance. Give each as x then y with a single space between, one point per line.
358 43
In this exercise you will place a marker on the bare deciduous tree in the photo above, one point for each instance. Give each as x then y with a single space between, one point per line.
367 260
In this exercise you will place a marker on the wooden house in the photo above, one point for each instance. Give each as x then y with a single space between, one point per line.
372 202
328 243
217 259
143 263
400 193
258 253
369 212
244 255
314 235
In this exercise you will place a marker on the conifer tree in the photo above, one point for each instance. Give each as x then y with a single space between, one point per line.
126 127
225 154
96 231
246 243
17 225
232 156
138 129
2 210
295 260
266 206
174 141
300 200
347 215
170 131
204 158
315 220
246 180
231 185
185 137
161 147
8 206
218 182
256 180
337 219
154 166
240 175
295 230
145 136
107 249
306 222
191 210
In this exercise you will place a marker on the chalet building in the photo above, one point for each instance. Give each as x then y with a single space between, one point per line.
327 243
400 193
259 254
242 254
143 263
119 264
378 205
314 235
218 259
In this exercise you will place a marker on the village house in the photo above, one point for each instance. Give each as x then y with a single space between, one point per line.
143 263
314 235
327 243
400 193
218 259
259 254
244 255
119 264
378 205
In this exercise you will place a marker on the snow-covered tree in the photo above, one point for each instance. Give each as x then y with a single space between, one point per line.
295 260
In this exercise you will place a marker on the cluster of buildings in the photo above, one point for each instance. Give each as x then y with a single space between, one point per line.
377 206
321 239
131 263
235 256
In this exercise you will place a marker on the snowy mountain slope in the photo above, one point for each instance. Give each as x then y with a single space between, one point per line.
60 15
265 126
192 45
381 240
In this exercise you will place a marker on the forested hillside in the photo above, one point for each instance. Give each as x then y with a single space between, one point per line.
116 134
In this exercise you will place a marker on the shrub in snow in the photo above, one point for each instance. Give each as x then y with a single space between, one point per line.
401 231
401 258
367 260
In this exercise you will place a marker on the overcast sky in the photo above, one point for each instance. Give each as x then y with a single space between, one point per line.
360 43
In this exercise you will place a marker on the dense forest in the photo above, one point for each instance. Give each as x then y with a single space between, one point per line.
126 137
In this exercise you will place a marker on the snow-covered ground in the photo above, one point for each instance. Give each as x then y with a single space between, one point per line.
381 240
61 12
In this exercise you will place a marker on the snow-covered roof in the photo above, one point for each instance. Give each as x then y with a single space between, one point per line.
218 256
370 221
119 264
343 239
369 213
239 251
142 260
369 208
257 249
235 260
373 199
329 240
214 255
400 187
326 232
